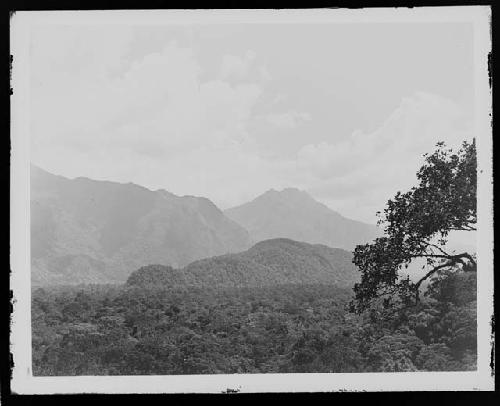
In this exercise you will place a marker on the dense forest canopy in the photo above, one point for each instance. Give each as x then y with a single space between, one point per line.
106 330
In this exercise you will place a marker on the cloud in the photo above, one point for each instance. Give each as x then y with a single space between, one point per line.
414 127
287 120
155 124
370 168
265 74
161 120
279 98
237 66
158 103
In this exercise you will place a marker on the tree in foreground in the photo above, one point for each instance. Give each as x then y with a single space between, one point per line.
416 227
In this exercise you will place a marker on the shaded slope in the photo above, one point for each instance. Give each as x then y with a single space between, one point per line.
85 231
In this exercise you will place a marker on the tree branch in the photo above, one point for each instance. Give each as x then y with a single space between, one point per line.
439 248
452 260
427 275
431 256
432 271
469 257
455 257
464 228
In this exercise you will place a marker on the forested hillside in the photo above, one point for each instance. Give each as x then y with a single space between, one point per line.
268 263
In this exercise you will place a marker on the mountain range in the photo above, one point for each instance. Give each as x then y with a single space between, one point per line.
89 231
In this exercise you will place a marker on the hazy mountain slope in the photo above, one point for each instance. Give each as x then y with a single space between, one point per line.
268 263
294 214
84 230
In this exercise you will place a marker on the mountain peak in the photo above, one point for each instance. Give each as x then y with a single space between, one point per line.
292 213
292 191
289 193
285 190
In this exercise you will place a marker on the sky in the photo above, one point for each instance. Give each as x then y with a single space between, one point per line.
228 111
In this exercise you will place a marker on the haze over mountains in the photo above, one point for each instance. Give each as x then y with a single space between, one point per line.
88 231
294 214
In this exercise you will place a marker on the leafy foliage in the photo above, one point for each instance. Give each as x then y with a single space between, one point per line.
132 330
417 224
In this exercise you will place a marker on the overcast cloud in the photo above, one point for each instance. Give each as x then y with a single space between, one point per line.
343 111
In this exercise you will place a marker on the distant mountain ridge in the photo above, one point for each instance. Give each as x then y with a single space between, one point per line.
267 263
294 214
88 231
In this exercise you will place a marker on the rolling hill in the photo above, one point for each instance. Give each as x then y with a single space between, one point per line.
268 263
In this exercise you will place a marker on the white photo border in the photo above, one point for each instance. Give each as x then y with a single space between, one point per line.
23 382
